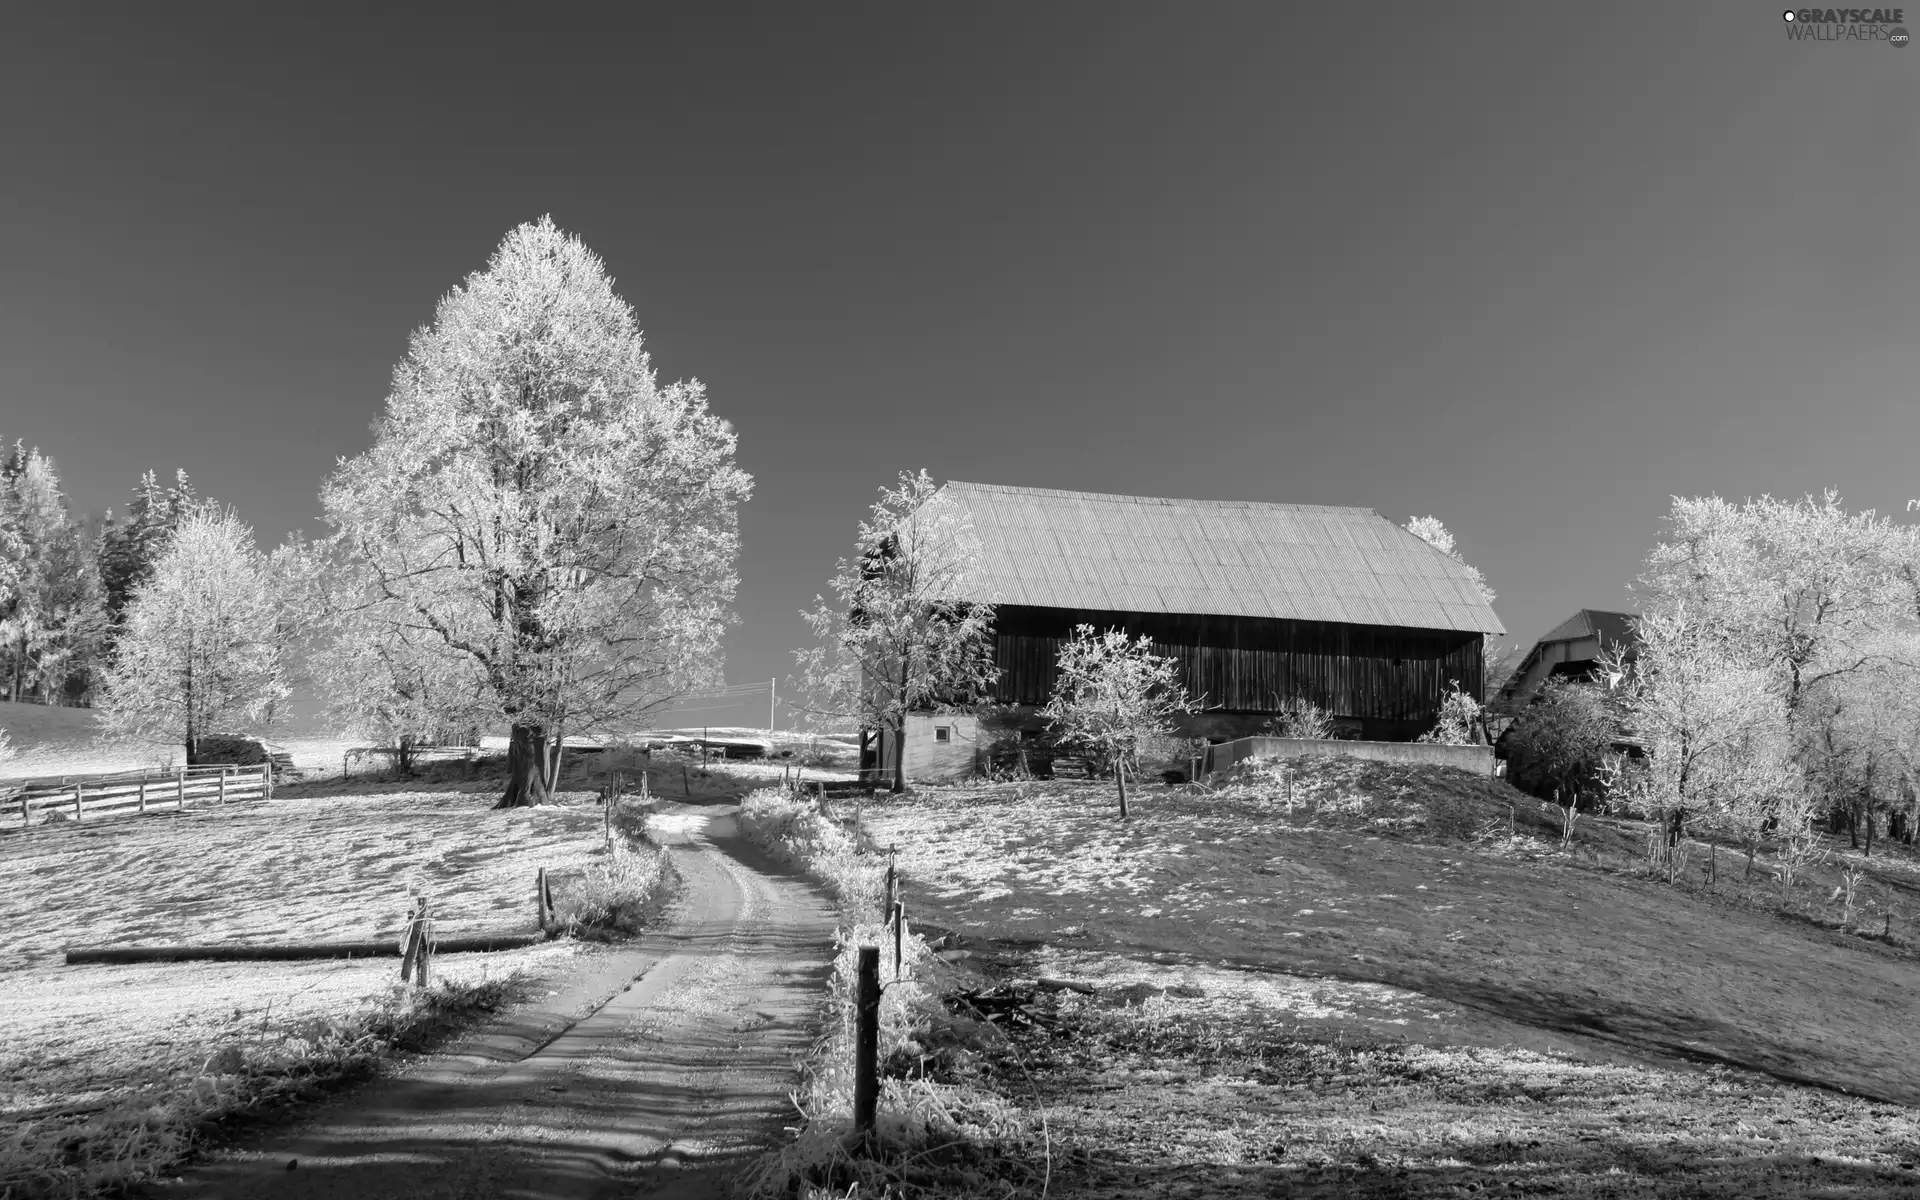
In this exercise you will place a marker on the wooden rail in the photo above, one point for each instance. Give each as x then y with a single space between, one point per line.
82 798
261 952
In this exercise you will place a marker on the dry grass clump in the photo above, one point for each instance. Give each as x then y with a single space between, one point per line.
932 1134
619 895
90 1141
796 832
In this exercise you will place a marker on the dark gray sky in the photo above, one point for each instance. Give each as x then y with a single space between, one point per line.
1530 268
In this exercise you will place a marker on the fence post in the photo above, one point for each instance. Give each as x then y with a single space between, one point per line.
866 1052
223 785
408 940
143 795
266 780
78 790
180 789
890 909
899 933
425 945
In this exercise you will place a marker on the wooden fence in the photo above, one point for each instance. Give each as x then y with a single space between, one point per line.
93 797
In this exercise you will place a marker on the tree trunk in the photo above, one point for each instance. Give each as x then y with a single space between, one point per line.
900 755
1869 833
192 734
1120 777
527 763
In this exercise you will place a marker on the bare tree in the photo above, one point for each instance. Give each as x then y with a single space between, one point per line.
541 520
1112 693
904 633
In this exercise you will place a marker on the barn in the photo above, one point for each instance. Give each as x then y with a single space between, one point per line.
1261 604
1570 650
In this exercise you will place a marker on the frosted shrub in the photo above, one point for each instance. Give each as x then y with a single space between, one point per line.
618 894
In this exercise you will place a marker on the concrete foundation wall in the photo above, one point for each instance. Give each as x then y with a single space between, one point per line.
1212 726
1478 759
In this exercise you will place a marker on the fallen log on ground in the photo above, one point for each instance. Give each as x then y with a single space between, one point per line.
256 952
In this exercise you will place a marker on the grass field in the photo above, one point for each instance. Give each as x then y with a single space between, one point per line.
93 1053
1429 977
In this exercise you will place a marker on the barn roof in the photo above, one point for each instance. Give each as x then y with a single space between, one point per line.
1305 562
1608 626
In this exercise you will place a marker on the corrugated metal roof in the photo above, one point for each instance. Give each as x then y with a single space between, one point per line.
1610 626
1220 557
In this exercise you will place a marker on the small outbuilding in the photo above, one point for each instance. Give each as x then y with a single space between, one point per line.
1570 650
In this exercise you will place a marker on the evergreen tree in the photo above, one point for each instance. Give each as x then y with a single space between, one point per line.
51 618
127 550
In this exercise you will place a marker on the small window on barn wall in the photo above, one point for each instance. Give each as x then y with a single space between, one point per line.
943 733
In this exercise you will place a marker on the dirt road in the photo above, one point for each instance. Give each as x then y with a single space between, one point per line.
654 1076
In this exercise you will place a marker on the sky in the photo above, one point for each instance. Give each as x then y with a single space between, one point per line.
1531 268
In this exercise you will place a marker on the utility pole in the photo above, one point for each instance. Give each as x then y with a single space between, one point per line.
772 692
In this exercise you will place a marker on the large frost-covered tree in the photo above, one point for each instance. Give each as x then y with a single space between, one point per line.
200 649
1801 588
540 523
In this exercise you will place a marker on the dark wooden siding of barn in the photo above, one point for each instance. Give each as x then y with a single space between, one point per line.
1257 664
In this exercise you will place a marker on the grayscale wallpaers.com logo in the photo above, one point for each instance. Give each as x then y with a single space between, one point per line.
1847 25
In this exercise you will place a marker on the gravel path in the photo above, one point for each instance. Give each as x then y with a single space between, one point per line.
655 1074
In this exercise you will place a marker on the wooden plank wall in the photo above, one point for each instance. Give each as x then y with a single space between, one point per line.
1254 664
